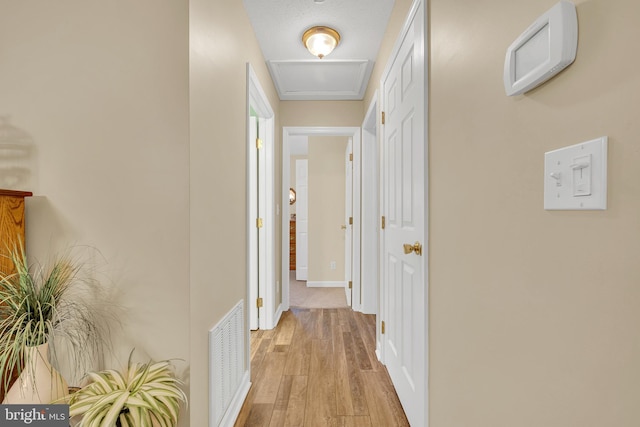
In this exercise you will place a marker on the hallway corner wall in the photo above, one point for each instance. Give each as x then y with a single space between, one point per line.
222 41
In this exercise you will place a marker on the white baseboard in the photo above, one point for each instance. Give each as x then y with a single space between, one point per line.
277 316
326 284
235 406
379 351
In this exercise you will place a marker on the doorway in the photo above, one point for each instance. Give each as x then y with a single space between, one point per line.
289 134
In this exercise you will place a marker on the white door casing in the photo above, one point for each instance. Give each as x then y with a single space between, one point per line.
348 213
370 211
302 219
289 132
404 285
260 204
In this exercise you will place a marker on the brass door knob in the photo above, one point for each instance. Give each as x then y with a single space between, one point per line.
415 248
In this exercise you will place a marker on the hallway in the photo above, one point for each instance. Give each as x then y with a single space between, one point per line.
301 296
318 368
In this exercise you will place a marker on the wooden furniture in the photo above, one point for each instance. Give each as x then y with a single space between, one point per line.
12 233
11 225
292 245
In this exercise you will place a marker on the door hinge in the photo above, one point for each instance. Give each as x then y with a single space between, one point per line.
351 157
382 327
350 284
259 223
258 143
384 222
259 303
383 117
350 220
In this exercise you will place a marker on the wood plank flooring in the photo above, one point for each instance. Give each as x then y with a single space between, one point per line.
318 368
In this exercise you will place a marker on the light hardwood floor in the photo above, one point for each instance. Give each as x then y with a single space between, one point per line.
318 368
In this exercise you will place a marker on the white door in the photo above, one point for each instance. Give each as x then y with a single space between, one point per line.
348 220
302 220
253 232
263 220
404 287
257 208
257 211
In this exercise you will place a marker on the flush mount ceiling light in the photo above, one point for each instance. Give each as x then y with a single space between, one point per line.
320 41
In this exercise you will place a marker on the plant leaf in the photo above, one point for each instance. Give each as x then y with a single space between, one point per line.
114 412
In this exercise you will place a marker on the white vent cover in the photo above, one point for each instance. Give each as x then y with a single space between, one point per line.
226 361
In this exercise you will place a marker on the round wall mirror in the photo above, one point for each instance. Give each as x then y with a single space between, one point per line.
292 196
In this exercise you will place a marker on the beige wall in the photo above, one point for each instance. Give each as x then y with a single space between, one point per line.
326 207
101 90
321 113
222 41
534 314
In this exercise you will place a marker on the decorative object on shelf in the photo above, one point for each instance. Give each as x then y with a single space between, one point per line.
145 394
320 41
292 196
43 307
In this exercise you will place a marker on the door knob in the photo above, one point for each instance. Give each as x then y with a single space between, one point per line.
415 248
344 227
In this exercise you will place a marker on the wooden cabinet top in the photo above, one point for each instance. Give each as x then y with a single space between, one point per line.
14 193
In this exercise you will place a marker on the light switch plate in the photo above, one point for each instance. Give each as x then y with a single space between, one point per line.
575 177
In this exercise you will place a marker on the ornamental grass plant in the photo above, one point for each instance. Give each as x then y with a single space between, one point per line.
42 304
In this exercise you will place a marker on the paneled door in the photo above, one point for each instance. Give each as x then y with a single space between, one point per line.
257 209
404 286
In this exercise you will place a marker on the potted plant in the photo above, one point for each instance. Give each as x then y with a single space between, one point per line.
145 394
37 305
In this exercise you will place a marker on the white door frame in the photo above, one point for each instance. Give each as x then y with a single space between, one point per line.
348 228
370 209
302 219
287 133
257 99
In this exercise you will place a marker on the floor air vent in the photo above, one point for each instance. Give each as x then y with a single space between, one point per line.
227 365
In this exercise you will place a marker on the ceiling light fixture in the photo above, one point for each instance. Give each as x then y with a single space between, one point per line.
320 41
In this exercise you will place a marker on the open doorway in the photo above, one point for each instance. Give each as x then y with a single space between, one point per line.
318 268
289 136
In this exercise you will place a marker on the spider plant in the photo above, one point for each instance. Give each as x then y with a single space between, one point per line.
144 395
38 304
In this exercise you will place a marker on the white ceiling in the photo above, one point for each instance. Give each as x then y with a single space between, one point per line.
298 75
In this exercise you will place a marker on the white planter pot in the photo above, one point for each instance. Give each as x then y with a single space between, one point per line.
39 382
